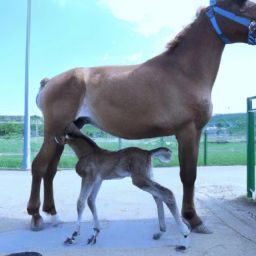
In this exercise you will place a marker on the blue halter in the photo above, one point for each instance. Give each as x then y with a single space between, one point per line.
250 24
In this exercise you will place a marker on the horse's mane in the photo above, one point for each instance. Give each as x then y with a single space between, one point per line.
182 34
178 38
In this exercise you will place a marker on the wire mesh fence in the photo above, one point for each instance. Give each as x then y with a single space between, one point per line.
221 148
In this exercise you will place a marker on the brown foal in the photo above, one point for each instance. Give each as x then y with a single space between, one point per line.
95 165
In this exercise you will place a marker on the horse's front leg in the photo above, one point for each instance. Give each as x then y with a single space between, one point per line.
188 141
40 166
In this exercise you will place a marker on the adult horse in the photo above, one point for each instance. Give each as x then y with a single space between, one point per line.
169 94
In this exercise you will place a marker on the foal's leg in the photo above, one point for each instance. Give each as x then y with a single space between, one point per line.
86 188
91 203
164 195
188 141
40 166
161 218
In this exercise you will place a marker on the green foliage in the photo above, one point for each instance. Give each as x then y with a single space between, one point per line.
218 153
11 129
234 123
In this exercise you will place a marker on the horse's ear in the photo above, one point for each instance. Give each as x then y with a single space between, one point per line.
241 3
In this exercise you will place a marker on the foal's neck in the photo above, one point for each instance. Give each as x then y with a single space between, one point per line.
82 148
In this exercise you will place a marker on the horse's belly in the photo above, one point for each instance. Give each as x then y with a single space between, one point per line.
131 124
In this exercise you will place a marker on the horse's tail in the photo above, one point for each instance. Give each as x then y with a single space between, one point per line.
162 154
43 82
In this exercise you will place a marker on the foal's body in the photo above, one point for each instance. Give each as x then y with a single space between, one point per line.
167 95
96 165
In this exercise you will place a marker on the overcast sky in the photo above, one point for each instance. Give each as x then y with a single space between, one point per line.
71 33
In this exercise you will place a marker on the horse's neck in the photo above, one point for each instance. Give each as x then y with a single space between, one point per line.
198 54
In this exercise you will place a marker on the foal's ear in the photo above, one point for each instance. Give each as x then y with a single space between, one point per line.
241 3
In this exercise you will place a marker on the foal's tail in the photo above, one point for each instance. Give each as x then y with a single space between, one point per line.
162 154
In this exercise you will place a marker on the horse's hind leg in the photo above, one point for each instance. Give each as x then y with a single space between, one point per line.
40 166
188 141
49 205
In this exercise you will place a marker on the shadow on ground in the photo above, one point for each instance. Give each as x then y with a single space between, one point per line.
114 234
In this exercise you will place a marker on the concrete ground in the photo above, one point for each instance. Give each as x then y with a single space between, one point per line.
128 216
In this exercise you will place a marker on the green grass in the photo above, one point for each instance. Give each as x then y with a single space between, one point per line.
218 153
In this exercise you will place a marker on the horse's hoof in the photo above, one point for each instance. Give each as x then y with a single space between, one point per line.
37 223
180 248
187 223
157 236
202 229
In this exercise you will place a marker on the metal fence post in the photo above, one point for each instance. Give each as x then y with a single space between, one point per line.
205 146
250 149
26 161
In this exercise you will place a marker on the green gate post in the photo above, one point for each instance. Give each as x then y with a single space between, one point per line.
205 146
162 141
250 148
119 143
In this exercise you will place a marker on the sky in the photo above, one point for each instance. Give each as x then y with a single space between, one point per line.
84 33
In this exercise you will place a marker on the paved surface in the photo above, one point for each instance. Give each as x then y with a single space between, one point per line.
128 216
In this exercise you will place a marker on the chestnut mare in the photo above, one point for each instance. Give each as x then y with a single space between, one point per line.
169 94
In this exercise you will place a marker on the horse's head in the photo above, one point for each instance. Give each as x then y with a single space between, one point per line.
234 20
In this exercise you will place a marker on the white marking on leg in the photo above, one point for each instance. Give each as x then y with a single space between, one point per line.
86 188
55 220
161 218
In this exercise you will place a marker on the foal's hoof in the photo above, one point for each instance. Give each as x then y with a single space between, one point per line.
37 223
92 240
72 239
69 241
202 229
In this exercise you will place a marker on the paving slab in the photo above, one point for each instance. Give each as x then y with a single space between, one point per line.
128 216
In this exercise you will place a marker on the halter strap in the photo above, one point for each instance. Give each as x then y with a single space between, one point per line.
241 20
216 27
231 16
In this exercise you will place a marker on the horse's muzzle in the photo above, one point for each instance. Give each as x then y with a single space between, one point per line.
252 28
252 33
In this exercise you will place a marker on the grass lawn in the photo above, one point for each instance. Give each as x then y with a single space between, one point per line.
217 153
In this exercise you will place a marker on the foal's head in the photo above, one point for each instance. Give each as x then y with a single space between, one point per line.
81 145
